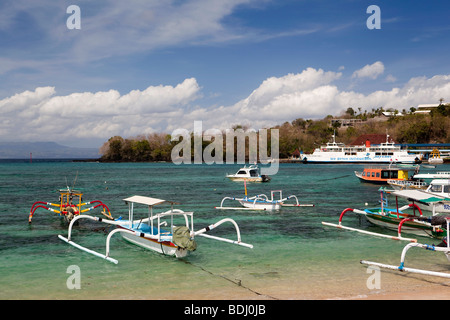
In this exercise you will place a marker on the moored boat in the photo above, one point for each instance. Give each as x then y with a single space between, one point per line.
435 157
154 232
397 219
436 198
263 202
250 173
385 152
70 205
383 174
407 184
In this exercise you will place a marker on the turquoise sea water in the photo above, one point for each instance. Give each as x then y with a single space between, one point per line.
294 255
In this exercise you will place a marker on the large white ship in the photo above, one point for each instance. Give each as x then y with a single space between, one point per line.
386 152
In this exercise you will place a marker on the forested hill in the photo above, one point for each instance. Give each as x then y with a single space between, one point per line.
305 135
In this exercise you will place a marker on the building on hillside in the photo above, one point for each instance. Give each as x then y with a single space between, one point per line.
345 122
425 108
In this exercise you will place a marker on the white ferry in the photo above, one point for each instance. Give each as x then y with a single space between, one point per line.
386 152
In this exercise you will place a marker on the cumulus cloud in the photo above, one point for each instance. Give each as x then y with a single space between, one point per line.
311 94
371 71
41 115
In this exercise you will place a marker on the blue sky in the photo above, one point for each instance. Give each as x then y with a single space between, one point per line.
138 67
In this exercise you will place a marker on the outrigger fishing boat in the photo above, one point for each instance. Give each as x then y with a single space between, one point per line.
443 247
262 201
70 205
396 219
149 233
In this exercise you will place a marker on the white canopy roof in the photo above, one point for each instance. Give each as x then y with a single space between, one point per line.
418 195
146 200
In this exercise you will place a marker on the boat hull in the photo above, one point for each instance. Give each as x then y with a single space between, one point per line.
256 179
260 205
163 247
438 207
320 160
391 223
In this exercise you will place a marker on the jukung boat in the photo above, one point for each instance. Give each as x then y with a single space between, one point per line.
443 247
250 173
386 152
153 233
69 205
396 219
436 198
262 202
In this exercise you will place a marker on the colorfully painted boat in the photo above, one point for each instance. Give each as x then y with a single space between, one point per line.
383 174
396 219
69 205
386 152
157 232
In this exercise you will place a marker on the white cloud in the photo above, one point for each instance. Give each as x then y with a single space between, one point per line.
42 115
371 71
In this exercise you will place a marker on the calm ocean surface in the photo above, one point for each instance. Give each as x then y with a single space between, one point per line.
294 255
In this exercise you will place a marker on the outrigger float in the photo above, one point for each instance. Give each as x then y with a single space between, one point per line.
396 219
148 233
70 205
262 201
444 247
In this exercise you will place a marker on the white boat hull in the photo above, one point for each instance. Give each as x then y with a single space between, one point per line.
360 157
160 247
261 205
255 179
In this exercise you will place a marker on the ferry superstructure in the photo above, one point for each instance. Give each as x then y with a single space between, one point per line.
386 152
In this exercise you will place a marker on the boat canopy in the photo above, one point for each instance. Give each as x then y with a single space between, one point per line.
147 200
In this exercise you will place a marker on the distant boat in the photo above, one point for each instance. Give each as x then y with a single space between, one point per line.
386 152
383 174
250 173
437 175
435 157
